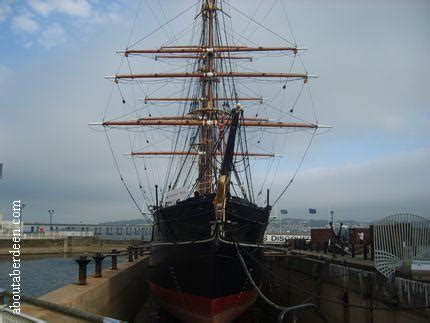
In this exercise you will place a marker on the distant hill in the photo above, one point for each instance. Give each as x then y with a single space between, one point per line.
274 222
127 222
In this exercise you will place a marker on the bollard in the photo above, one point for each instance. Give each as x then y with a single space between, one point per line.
130 254
98 258
141 251
365 251
82 261
333 248
372 246
114 257
136 252
353 250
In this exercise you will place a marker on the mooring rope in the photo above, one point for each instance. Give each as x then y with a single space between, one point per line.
285 310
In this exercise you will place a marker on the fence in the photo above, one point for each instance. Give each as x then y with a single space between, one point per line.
50 235
399 238
7 316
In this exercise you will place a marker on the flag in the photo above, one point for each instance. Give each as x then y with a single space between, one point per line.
283 211
312 211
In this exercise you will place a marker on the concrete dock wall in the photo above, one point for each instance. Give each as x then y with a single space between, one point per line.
345 294
118 294
64 245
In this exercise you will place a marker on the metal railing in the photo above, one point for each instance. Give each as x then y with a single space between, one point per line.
7 316
399 238
49 235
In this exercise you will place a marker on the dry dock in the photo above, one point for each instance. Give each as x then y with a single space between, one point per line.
67 245
345 290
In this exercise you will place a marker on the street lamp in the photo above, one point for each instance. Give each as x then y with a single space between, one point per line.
22 210
21 223
51 213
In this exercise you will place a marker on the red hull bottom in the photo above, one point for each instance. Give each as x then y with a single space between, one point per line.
199 309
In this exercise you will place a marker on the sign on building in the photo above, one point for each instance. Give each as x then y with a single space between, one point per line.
282 238
176 195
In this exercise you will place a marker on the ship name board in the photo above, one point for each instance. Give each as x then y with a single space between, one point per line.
281 238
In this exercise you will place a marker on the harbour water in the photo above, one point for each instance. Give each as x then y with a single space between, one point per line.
44 273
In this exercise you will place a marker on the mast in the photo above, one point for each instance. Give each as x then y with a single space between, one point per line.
211 108
220 200
206 133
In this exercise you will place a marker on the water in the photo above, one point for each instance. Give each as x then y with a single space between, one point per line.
44 273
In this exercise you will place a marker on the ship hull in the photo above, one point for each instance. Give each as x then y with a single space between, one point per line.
195 271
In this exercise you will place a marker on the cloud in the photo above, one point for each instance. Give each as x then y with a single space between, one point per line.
52 36
53 160
367 191
5 10
41 19
4 73
77 8
25 23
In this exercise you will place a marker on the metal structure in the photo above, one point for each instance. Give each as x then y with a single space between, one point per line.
399 238
51 213
7 316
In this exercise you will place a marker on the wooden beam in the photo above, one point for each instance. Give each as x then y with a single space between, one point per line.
215 123
190 117
200 99
222 49
198 46
210 75
201 56
192 153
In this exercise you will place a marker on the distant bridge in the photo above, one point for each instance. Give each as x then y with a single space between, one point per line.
97 229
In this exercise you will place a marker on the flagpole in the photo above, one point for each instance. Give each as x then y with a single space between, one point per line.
311 211
280 221
328 215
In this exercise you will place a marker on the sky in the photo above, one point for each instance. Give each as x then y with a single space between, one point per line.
371 56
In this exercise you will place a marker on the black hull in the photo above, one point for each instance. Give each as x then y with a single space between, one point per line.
196 274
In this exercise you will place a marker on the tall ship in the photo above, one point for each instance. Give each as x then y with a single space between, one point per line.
198 187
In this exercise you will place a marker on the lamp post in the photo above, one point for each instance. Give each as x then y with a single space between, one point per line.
22 212
51 213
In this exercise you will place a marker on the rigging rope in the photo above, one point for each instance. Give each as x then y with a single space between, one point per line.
123 182
297 169
162 26
251 280
261 25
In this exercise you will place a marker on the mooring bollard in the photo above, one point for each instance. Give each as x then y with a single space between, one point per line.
82 261
136 252
141 250
98 258
1 296
333 249
114 256
130 254
353 250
